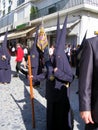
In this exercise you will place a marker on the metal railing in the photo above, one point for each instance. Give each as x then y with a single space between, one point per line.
7 20
63 4
49 9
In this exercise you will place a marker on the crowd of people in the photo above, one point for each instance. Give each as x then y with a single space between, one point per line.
55 66
73 56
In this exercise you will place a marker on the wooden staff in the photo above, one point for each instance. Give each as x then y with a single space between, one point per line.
31 90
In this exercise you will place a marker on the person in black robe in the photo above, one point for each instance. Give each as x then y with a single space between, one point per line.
58 76
58 105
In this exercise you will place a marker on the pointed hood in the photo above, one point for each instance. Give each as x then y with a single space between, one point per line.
62 36
79 51
34 51
62 62
4 44
83 41
58 31
5 39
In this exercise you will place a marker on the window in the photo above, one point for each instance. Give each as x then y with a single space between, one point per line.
9 9
3 12
52 9
10 2
4 5
19 2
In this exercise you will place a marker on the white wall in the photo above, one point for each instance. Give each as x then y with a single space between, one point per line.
93 26
14 4
89 24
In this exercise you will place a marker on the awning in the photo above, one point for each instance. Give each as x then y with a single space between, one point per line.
18 34
69 25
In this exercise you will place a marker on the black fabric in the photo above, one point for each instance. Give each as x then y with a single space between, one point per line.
57 115
91 126
57 107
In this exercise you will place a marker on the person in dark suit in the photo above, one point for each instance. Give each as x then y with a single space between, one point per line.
88 84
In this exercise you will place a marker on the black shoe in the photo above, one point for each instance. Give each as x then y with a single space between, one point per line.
16 75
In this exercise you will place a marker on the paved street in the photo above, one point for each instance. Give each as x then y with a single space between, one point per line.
15 105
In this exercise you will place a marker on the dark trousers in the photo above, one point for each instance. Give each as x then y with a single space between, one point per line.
91 126
18 68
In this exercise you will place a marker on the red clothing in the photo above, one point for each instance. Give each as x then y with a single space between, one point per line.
19 54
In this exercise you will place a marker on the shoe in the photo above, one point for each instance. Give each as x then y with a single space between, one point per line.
16 75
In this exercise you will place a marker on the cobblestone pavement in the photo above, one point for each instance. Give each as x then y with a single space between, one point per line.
15 105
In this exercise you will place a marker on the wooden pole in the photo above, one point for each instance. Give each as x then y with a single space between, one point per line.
31 90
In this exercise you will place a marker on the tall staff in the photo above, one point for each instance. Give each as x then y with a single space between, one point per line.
31 90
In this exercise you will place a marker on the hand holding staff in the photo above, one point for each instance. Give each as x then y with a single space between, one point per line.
31 90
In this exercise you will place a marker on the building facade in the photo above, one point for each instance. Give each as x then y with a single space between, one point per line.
20 14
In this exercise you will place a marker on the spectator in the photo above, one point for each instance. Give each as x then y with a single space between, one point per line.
19 58
68 52
13 50
25 56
